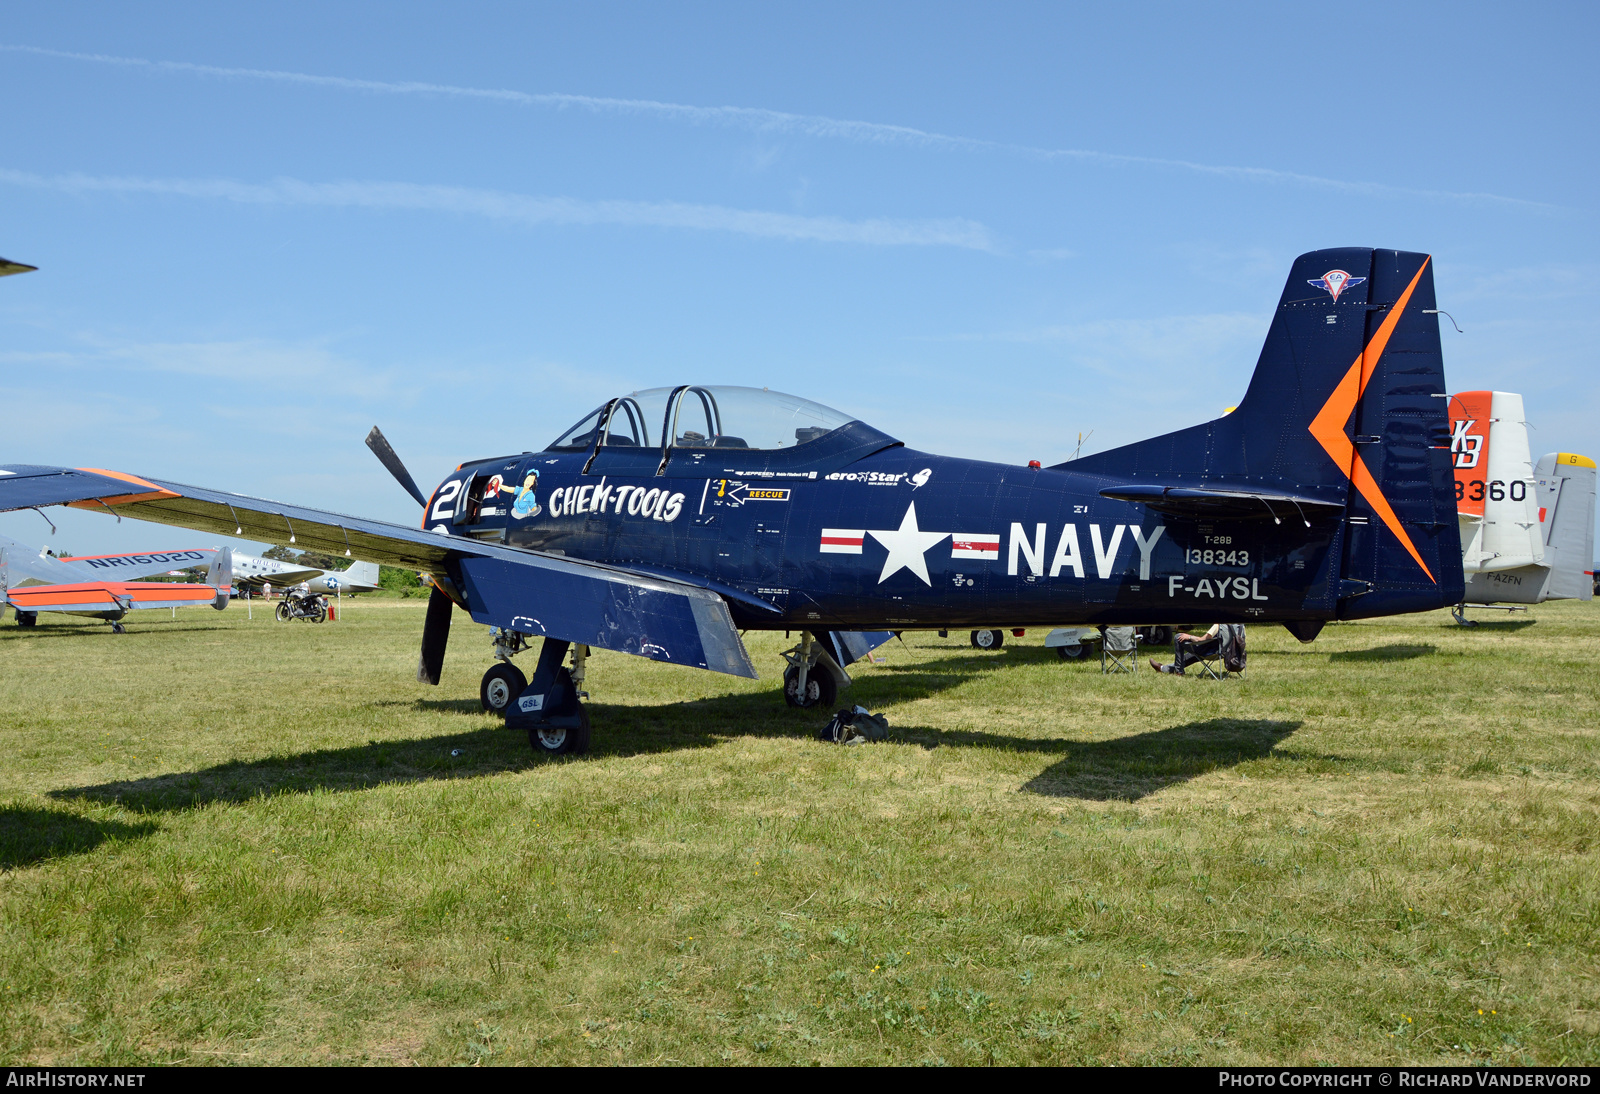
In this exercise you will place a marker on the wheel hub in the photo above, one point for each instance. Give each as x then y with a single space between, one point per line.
552 738
499 693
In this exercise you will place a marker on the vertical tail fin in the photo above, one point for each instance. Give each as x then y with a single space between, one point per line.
1566 483
1495 490
361 573
219 575
1347 407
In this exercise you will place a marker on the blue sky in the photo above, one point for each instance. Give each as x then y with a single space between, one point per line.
984 229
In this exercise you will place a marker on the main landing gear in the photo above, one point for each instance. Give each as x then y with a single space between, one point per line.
812 678
1459 612
550 706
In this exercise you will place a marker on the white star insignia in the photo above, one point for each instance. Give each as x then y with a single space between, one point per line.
906 547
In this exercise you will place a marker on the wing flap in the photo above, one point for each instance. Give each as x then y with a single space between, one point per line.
612 610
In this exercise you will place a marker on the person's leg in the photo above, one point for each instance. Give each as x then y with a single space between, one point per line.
1190 652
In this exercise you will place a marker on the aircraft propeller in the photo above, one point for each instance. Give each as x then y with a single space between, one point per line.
386 455
436 626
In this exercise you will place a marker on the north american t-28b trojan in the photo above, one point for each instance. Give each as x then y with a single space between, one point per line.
667 521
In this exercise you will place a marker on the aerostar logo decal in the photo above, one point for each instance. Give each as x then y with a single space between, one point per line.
1328 426
1335 282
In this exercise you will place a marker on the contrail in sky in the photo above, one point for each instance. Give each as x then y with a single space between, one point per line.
528 209
759 120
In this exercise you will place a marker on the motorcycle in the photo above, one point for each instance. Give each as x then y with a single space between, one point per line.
311 607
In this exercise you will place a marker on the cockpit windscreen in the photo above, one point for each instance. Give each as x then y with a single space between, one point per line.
705 417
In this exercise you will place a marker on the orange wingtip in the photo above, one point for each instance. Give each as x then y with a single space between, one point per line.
153 493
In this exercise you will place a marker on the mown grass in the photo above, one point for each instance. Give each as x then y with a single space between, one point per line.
235 841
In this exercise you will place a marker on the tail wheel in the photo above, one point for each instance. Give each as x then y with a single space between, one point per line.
988 640
821 688
1075 652
500 687
562 742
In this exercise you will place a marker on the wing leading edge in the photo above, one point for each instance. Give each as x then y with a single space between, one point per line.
597 605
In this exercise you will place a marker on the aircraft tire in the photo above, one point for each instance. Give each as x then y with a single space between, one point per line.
118 628
988 640
1157 636
500 687
562 742
27 619
821 688
1078 651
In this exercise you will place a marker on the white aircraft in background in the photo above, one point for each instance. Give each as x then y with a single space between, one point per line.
104 586
1527 530
250 571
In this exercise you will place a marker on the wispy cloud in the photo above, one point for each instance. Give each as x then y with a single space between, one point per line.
756 119
530 210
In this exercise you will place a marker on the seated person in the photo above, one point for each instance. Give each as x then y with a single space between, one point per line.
1190 648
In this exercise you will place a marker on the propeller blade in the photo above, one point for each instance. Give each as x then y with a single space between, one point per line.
435 634
381 448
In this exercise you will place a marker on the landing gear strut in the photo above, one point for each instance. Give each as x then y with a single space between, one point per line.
1459 613
503 682
550 708
809 680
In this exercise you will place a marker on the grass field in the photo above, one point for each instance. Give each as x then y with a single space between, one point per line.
251 842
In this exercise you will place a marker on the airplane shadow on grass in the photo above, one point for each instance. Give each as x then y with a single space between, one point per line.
1399 651
31 836
1127 768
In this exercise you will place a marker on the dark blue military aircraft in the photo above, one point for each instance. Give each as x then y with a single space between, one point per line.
668 520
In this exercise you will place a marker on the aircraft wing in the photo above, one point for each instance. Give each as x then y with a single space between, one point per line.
96 597
653 616
142 564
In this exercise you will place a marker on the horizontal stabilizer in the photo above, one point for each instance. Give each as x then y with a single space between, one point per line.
1199 502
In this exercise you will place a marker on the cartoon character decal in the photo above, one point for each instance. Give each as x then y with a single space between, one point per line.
527 503
492 489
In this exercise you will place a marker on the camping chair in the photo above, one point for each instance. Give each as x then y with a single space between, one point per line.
1119 649
1223 656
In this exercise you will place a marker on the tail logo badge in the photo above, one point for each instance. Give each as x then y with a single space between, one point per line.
1336 282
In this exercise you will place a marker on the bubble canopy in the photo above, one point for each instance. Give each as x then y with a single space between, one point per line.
703 417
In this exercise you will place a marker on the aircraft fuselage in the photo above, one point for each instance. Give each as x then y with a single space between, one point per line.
900 538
